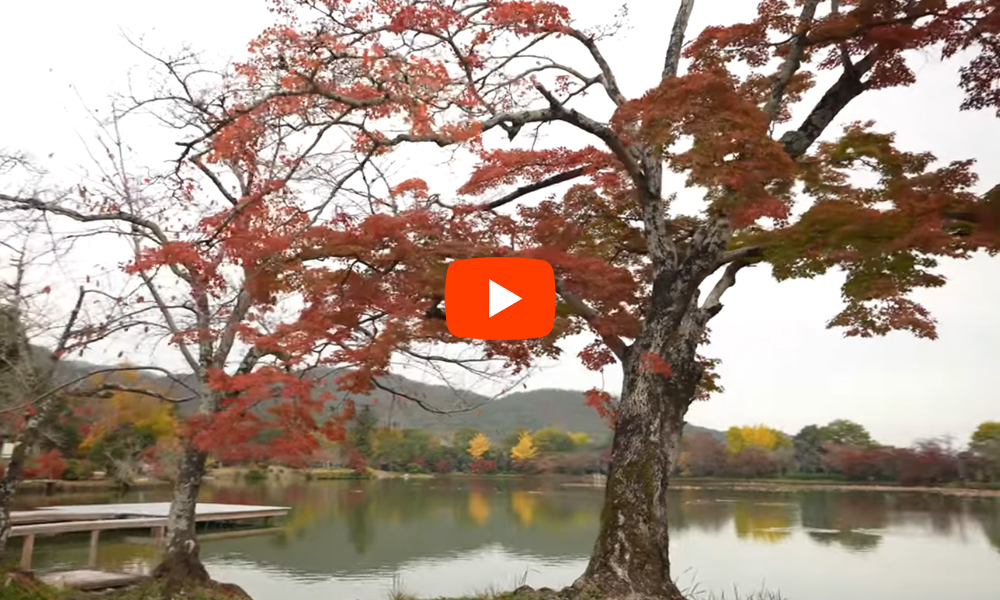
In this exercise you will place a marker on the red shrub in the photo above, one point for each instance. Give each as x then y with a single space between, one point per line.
483 466
50 465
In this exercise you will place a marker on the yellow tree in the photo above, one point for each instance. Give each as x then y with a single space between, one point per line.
579 438
478 446
760 436
525 448
118 407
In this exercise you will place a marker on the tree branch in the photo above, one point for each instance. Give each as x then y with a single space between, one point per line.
36 204
608 80
588 314
672 60
796 142
713 302
793 60
747 253
534 187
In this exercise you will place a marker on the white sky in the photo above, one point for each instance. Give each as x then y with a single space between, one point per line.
780 365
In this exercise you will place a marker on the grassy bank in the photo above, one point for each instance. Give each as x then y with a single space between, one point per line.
16 586
44 486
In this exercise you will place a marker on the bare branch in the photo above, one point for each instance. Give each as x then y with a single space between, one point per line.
106 390
713 302
793 60
608 80
585 311
672 60
534 187
41 205
848 87
421 403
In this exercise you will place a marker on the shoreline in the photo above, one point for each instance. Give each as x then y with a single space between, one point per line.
46 487
790 485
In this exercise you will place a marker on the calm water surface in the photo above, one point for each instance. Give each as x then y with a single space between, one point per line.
352 540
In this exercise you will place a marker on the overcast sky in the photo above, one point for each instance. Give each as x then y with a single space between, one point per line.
780 365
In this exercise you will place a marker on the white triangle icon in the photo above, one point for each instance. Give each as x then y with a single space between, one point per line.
501 298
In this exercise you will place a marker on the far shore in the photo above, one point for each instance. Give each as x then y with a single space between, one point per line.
794 485
230 474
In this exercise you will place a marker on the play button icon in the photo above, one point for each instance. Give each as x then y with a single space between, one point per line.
501 298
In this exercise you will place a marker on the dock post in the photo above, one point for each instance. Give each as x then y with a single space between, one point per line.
26 551
95 535
158 538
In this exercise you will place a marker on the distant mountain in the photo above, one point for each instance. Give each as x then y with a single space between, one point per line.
496 418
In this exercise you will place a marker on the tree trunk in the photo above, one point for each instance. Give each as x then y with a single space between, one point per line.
8 489
43 412
181 565
631 558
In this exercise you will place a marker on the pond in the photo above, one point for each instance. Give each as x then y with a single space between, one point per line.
358 540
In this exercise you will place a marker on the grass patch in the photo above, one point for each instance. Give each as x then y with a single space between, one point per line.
327 474
254 474
15 585
153 590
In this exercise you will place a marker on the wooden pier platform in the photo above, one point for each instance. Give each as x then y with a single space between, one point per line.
94 518
87 579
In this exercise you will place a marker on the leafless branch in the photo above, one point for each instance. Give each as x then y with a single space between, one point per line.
580 307
793 60
672 60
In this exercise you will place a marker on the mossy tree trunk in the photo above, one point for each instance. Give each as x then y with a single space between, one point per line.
181 564
631 557
662 374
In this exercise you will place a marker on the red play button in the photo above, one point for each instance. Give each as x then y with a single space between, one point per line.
500 298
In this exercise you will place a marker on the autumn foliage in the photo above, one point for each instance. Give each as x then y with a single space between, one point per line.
286 268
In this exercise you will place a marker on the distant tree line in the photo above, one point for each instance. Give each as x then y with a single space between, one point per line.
845 450
547 450
128 435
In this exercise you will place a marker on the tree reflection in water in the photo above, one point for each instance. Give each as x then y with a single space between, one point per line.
764 522
340 527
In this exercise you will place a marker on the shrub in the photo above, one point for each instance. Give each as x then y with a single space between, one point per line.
482 466
255 474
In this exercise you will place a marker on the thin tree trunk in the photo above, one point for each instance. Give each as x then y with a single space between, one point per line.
44 411
8 489
181 564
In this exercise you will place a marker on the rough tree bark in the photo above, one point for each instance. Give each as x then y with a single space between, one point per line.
181 564
631 557
8 489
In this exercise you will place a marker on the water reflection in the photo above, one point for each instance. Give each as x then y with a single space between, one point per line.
469 530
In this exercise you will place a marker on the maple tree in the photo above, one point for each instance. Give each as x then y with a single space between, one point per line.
401 72
50 465
451 73
36 335
259 259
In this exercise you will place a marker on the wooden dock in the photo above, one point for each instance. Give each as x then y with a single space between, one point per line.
95 518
